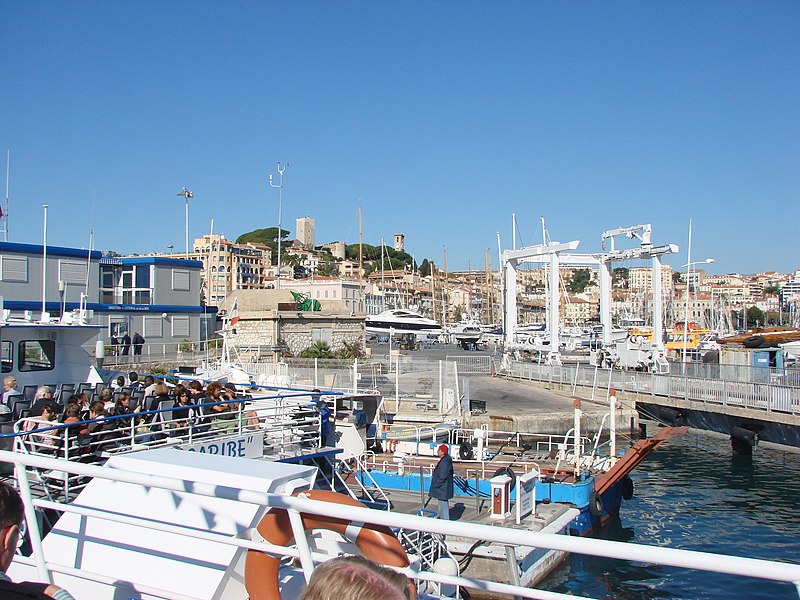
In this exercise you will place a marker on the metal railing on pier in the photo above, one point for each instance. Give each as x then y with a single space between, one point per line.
768 397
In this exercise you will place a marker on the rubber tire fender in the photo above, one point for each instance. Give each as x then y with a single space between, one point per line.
465 451
595 504
627 487
508 471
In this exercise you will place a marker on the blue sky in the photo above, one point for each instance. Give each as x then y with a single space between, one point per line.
439 119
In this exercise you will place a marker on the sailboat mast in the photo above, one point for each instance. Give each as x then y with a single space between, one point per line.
360 257
444 290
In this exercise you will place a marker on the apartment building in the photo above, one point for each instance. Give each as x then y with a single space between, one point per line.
230 266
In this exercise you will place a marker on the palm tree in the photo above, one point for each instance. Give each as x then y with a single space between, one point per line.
319 349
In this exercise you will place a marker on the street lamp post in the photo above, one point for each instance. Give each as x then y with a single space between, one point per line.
689 266
186 194
280 214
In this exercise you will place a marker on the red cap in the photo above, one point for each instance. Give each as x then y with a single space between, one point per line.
444 448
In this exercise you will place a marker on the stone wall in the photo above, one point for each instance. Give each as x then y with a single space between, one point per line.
296 331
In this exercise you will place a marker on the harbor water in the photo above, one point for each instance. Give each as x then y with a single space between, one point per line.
694 493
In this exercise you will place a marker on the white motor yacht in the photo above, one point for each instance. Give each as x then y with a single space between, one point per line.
400 321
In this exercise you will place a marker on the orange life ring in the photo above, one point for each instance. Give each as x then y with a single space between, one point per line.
376 542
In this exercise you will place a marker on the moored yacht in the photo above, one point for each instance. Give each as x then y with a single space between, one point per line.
400 320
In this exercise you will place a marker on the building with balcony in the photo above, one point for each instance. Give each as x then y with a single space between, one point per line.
230 266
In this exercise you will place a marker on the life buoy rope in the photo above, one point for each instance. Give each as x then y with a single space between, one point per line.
376 542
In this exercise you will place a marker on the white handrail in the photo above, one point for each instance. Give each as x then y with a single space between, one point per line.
733 565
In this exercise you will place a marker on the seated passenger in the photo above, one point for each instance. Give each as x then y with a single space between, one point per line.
44 395
12 515
47 440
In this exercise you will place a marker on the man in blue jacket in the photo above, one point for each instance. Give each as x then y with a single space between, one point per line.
442 481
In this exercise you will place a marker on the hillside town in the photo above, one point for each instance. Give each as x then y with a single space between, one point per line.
329 274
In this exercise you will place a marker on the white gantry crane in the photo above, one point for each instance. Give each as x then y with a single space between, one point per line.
556 254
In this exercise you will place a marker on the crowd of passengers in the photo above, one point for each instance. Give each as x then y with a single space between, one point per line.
123 413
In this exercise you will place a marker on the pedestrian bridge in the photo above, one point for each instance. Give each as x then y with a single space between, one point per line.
771 409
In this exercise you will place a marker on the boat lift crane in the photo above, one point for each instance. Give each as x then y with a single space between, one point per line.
542 253
629 232
645 251
556 254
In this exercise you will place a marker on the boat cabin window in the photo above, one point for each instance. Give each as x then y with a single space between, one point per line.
7 357
37 355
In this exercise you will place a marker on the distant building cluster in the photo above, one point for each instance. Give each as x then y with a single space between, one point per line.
325 274
169 299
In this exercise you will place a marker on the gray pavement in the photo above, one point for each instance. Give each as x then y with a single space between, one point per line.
518 405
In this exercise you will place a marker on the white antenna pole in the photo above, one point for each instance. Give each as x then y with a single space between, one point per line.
5 211
280 216
91 247
44 263
89 260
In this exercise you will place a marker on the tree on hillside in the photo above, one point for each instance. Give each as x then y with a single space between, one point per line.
327 267
267 236
581 278
425 268
397 260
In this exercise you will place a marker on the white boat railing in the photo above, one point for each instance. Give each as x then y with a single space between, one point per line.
732 565
285 423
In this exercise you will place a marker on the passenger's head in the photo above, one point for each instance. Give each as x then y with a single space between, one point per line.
106 395
214 389
45 392
49 412
123 401
9 383
133 376
161 389
11 516
72 410
121 381
97 408
182 395
356 578
195 386
148 380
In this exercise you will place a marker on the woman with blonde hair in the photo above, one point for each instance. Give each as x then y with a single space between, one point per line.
356 578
